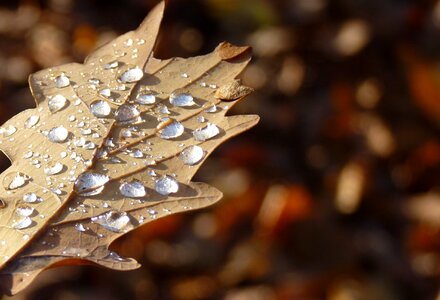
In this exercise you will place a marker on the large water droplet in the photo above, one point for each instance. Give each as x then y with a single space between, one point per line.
24 210
132 75
23 223
133 189
100 109
192 155
89 184
57 168
145 99
114 221
127 113
206 133
8 131
32 121
166 185
14 181
58 134
62 81
30 198
57 103
173 130
181 99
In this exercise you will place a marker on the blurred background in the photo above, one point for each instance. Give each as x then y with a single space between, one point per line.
334 195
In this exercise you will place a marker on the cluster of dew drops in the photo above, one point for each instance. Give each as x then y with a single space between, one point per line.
90 183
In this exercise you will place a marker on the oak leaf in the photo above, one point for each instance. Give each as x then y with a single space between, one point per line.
112 144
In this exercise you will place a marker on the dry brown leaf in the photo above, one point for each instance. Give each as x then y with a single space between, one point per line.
112 145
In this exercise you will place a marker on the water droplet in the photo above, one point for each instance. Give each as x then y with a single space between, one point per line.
127 113
100 109
137 154
62 81
205 133
145 99
8 131
24 210
192 155
58 134
114 221
211 109
173 130
89 184
14 181
133 189
57 103
166 185
80 227
57 168
30 198
111 65
105 93
32 121
132 75
23 223
181 99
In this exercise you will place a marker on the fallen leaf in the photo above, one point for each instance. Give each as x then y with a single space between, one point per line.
112 144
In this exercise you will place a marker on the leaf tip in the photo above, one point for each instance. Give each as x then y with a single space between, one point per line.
227 51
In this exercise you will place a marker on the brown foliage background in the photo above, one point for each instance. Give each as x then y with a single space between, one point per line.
334 195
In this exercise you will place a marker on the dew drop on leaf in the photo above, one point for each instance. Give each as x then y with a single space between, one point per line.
57 103
24 210
58 134
62 81
132 75
114 221
127 113
173 130
192 155
206 133
54 169
12 182
32 121
133 189
166 185
23 223
30 198
100 109
8 131
181 99
80 227
145 99
89 184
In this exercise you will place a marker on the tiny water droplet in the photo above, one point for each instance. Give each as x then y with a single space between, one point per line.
192 155
105 93
133 189
166 185
111 65
100 109
58 134
181 99
206 133
211 109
